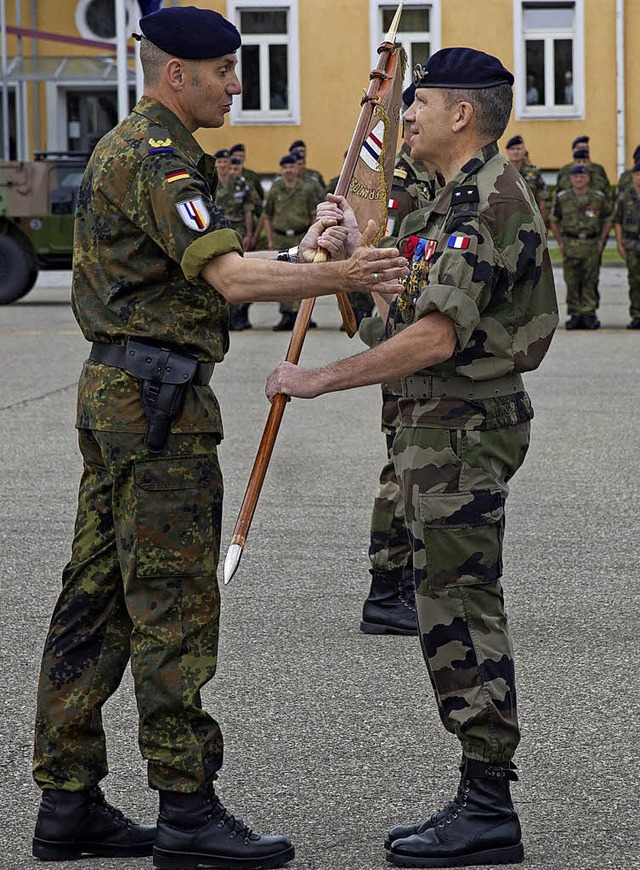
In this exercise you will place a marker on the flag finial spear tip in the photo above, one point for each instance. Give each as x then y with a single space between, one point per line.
391 35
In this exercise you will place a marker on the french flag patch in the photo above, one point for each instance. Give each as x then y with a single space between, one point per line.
460 242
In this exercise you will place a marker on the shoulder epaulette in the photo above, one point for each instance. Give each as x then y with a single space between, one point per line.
399 172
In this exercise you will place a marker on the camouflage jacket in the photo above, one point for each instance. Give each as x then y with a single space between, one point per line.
597 174
478 254
627 214
413 187
234 200
581 220
624 182
146 224
291 208
535 181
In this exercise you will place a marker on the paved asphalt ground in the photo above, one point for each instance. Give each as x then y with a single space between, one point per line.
332 735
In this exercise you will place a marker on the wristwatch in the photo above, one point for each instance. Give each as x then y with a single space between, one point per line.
290 256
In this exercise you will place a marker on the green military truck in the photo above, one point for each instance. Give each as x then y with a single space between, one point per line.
37 208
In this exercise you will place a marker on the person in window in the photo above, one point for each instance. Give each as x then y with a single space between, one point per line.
568 88
533 95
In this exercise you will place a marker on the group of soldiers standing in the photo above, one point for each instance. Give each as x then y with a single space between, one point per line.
580 216
276 221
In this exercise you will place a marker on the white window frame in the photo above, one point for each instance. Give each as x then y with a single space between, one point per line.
404 37
522 110
290 116
85 31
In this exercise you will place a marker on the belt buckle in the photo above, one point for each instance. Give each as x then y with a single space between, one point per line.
289 233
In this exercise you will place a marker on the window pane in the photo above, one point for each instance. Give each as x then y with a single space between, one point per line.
250 58
535 72
415 19
278 77
100 16
420 52
271 21
547 17
563 71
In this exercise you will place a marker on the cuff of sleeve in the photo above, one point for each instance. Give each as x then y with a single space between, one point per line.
371 331
198 254
454 303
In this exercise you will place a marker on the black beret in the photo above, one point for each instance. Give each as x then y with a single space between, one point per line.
461 68
238 147
580 153
235 161
578 140
636 154
297 155
288 158
297 144
515 140
578 170
408 96
190 33
636 167
222 153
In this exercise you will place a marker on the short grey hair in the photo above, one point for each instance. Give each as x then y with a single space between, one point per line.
492 107
154 60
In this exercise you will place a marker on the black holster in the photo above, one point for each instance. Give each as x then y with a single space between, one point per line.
165 376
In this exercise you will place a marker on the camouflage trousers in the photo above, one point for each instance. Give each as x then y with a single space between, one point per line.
389 545
633 273
454 485
581 276
141 586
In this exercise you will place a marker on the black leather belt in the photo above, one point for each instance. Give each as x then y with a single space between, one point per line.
117 355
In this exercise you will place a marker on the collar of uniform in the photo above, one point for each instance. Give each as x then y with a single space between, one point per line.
442 202
162 115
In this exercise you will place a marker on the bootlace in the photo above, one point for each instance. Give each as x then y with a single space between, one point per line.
221 815
459 802
99 800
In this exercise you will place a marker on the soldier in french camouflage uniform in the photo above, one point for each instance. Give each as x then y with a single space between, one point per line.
626 223
580 222
478 309
625 182
289 211
390 605
517 157
236 202
597 173
155 263
252 178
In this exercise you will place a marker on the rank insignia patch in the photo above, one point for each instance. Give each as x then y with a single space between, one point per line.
458 242
176 175
194 214
159 143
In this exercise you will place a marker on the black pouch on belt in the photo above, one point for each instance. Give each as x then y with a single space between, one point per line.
165 375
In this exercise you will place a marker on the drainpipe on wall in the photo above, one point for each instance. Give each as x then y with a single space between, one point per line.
621 155
121 59
5 84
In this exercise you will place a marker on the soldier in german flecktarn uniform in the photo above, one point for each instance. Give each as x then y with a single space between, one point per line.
155 265
477 310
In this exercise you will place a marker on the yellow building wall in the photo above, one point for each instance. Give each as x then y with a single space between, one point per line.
334 71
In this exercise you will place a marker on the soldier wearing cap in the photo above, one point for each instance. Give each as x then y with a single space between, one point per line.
581 157
626 223
478 309
626 178
288 213
580 222
390 606
155 266
517 157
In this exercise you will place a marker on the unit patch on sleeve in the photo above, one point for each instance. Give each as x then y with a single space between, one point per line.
459 242
194 214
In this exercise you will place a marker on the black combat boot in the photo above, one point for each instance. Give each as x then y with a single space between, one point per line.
590 321
195 830
574 322
480 827
75 823
239 318
391 605
634 323
286 322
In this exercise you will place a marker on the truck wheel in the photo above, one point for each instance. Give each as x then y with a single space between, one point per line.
17 273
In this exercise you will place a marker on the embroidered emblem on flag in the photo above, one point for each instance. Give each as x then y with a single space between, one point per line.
177 175
460 242
193 214
372 148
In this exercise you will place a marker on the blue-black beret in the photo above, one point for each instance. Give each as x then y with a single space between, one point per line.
238 147
235 161
578 170
636 167
579 140
515 140
297 155
297 144
636 154
190 33
221 154
461 68
288 158
409 95
580 153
